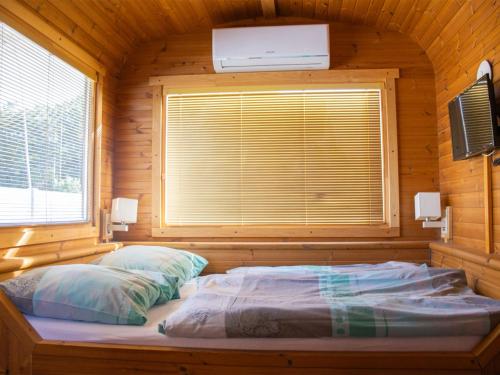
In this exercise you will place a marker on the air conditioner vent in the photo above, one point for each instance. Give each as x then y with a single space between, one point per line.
271 48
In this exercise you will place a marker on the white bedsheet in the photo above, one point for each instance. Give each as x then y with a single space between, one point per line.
65 330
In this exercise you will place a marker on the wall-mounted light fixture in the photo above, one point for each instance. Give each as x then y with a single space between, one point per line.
428 209
123 212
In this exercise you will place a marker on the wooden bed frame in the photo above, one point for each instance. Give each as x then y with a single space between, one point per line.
23 351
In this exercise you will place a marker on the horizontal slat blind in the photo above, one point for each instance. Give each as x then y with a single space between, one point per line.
274 157
45 112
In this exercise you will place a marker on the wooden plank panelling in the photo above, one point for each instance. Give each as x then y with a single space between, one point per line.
222 256
268 8
353 47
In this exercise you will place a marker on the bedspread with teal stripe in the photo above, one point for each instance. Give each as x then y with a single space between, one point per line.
385 300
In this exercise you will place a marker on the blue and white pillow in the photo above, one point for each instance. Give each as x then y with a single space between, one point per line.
173 262
91 293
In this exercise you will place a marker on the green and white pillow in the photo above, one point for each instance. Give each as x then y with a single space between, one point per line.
172 262
90 293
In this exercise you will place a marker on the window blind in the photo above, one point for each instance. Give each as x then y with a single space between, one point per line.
46 107
298 157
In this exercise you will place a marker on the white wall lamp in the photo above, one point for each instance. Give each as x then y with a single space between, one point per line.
428 209
123 212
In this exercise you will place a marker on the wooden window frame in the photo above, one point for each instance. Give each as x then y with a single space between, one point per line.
31 25
380 78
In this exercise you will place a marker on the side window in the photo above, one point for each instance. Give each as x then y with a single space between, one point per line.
46 112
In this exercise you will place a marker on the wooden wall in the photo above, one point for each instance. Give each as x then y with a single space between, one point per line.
351 47
89 24
472 35
223 256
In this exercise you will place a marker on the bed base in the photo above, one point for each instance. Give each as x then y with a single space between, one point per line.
23 351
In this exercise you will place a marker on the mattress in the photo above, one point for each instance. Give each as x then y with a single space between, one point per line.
65 330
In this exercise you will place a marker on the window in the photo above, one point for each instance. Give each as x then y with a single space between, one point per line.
46 112
314 155
274 157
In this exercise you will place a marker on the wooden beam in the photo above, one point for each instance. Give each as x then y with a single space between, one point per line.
42 234
18 263
288 246
488 206
157 173
487 349
261 79
268 8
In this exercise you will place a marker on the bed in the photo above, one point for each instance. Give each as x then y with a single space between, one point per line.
46 346
71 331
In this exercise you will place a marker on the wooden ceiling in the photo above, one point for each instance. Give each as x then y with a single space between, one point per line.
111 29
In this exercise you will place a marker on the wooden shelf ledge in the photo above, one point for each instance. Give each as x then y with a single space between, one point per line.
482 270
489 260
268 245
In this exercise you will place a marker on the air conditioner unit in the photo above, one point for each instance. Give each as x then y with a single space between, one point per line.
270 48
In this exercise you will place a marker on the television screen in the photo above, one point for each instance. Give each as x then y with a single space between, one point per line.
473 120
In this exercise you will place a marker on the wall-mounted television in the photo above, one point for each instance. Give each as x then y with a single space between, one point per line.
473 120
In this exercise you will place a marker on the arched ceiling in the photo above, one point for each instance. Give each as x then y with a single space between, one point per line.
111 29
